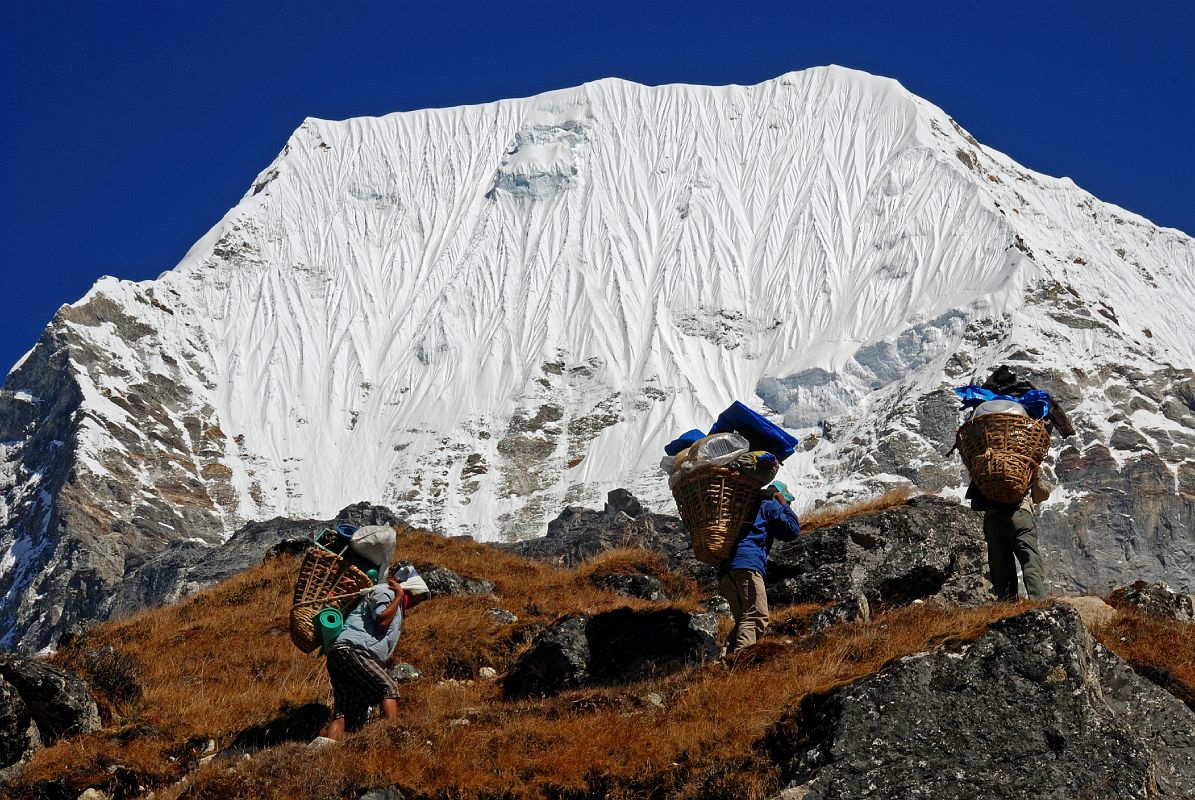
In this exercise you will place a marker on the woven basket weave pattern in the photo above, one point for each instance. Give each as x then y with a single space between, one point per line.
1002 452
715 503
321 575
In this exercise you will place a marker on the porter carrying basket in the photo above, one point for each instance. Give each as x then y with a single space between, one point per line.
325 580
715 503
1002 452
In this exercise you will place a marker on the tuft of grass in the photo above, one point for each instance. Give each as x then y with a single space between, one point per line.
1162 650
833 514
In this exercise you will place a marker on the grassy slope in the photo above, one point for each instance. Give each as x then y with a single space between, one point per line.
221 661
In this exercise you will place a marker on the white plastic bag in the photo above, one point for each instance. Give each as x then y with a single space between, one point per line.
375 544
716 450
1000 407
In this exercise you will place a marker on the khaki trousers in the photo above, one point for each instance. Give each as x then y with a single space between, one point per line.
744 590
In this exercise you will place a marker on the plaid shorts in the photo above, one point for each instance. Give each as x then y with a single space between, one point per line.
358 682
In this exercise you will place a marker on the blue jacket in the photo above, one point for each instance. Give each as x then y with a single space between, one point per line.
774 521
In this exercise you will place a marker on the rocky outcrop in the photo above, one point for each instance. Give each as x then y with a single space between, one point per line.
928 548
558 659
58 701
185 567
1155 600
579 534
442 581
18 734
1033 708
612 647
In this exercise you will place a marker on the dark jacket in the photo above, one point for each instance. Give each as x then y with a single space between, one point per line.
774 521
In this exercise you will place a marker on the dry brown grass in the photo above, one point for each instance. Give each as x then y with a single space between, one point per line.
221 661
1161 649
833 514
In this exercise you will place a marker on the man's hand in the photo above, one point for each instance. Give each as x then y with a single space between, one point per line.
395 587
780 498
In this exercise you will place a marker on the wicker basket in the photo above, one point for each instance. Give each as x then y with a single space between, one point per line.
715 503
1002 452
321 575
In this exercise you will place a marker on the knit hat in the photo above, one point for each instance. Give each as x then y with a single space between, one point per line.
776 487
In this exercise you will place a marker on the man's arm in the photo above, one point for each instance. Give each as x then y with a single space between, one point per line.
1040 489
782 521
386 616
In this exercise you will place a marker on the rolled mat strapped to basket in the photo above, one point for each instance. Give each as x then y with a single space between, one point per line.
1002 452
325 580
715 503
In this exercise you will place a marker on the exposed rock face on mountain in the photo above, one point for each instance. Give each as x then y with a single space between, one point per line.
1034 708
480 315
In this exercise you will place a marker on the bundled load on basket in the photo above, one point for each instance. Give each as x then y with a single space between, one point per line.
716 477
336 571
1003 439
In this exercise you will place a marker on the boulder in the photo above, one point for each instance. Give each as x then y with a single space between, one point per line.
18 734
58 700
1094 612
1033 708
928 548
403 672
627 645
1155 600
558 659
635 584
613 647
502 616
442 582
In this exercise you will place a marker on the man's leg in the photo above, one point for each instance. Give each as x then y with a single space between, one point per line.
754 618
998 532
390 708
756 611
334 729
730 591
1025 547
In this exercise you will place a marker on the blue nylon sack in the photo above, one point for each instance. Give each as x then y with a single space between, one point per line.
1035 401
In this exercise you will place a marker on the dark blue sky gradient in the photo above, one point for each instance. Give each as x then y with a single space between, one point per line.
129 129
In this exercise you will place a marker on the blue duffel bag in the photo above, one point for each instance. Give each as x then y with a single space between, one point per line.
760 432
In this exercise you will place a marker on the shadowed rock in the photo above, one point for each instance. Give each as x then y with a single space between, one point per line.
559 659
18 735
613 647
928 548
58 700
1033 708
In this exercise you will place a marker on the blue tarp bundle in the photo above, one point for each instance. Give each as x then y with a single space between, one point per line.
683 441
1035 401
760 432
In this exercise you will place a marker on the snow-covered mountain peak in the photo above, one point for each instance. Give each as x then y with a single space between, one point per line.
477 315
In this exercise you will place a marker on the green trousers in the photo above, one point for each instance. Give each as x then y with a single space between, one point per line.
1012 537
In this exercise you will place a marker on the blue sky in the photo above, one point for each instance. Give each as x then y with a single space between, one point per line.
129 128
